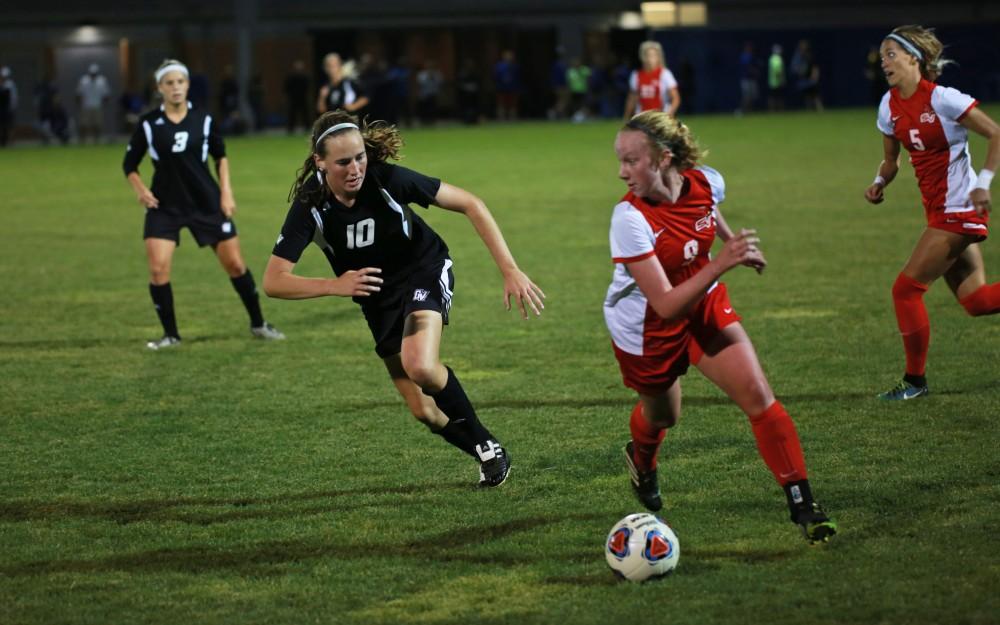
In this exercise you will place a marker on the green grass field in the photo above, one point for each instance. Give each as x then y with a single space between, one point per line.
241 482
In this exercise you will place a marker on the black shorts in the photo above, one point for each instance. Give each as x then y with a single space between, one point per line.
206 229
428 288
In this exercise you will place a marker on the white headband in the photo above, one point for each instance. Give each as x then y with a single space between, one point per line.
907 45
173 67
335 128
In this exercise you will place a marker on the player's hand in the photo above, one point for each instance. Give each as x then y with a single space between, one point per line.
228 203
980 199
519 286
741 249
875 193
147 199
358 283
757 262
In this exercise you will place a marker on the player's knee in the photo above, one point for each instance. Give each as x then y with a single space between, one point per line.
905 288
159 272
421 372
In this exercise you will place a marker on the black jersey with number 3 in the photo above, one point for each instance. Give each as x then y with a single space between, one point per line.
181 182
379 230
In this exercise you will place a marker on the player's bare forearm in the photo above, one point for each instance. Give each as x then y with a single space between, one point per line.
279 282
982 124
722 229
222 170
456 199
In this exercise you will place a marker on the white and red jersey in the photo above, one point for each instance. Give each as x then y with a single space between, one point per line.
653 88
680 234
927 124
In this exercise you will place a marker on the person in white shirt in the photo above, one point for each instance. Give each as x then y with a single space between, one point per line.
92 94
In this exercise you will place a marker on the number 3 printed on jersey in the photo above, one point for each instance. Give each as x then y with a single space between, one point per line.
915 139
180 141
361 234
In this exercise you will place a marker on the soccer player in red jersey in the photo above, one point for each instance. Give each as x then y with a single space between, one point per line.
665 295
653 88
932 122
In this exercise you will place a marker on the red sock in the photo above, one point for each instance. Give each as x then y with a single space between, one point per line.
983 301
778 443
911 315
646 439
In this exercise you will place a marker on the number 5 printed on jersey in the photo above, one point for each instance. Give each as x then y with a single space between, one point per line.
915 139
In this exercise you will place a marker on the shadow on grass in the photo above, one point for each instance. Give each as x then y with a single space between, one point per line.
230 509
448 546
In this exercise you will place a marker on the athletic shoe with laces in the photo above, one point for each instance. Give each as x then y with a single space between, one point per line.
494 464
816 525
645 484
164 343
267 332
903 391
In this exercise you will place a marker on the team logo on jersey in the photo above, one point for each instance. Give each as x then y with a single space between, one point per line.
281 238
159 121
928 116
703 223
420 295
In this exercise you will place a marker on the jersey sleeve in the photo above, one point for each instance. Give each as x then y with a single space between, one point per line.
216 145
952 103
632 238
408 186
633 81
715 182
135 150
296 234
884 120
667 81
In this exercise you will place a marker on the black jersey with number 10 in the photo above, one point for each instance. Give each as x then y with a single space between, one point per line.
379 230
181 182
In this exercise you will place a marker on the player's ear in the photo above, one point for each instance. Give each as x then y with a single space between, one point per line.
318 161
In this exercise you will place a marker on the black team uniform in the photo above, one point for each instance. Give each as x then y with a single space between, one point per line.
381 230
345 92
189 198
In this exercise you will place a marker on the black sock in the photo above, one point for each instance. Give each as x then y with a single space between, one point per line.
453 433
454 403
799 497
247 290
915 380
163 300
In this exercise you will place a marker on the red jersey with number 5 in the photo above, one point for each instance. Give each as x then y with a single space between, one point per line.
680 235
928 125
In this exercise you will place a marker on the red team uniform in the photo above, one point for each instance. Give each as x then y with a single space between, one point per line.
928 125
653 88
651 351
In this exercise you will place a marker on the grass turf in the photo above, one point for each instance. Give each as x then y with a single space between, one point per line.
246 482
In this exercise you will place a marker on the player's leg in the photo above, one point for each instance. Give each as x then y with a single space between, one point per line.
419 356
231 258
160 254
730 362
652 416
934 254
967 280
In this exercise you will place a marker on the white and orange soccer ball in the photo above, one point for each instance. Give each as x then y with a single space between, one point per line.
641 547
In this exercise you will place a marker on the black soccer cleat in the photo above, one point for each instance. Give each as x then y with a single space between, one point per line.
645 484
494 464
816 525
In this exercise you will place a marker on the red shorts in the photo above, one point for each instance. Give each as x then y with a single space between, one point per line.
712 313
653 375
968 222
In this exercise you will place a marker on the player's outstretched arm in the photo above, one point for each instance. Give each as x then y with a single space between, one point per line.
674 303
516 283
280 282
887 170
982 124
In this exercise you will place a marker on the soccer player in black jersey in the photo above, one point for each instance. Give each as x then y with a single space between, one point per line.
340 92
353 204
184 194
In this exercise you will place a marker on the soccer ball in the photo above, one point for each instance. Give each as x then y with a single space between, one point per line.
640 547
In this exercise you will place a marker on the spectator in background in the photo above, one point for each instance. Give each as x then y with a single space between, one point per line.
340 91
398 79
560 90
578 80
619 84
92 94
131 105
507 78
776 80
652 88
255 99
749 91
469 92
429 82
229 103
8 104
297 96
806 73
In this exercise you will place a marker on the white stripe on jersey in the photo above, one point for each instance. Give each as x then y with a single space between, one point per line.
148 130
318 237
715 182
204 144
446 291
625 303
949 104
399 209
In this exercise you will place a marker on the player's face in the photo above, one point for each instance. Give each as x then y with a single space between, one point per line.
651 59
332 67
174 87
636 166
897 64
345 163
